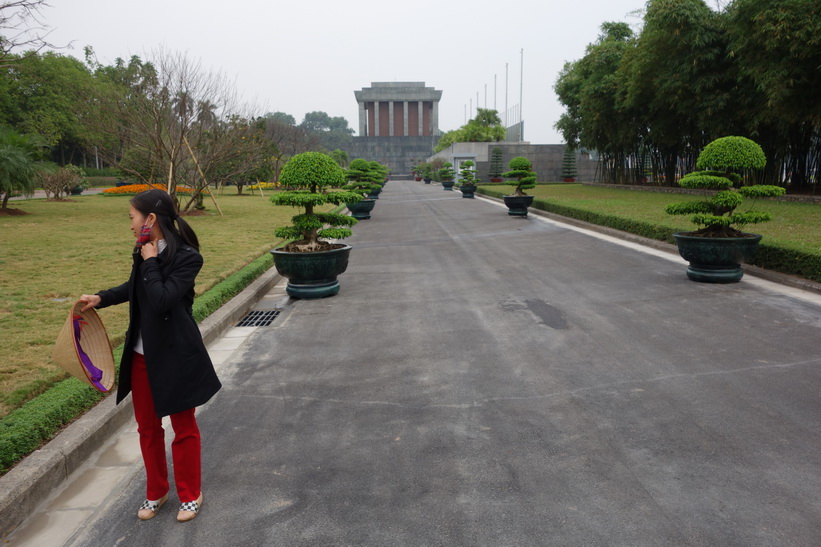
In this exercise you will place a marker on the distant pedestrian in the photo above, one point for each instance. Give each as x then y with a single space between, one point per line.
165 364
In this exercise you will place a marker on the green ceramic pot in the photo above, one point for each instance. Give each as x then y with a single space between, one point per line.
312 275
716 259
361 210
467 190
517 205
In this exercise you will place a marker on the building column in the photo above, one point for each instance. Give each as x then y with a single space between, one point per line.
421 118
405 114
363 122
434 119
390 118
376 118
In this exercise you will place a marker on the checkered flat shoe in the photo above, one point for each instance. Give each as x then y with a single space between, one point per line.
189 509
150 508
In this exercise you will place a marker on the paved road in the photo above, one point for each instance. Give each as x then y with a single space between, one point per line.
489 380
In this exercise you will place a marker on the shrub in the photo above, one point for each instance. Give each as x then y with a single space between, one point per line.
522 171
496 165
363 177
717 216
467 174
311 174
446 172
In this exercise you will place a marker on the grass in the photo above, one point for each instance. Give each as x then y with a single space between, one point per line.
61 250
64 249
794 225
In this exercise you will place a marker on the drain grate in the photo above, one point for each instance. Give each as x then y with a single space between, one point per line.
258 318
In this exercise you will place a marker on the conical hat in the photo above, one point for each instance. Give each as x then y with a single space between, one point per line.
83 350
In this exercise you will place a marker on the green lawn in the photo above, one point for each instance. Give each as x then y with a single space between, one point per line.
63 249
797 225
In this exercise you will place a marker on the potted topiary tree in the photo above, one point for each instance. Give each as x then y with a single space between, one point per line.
360 177
717 249
467 179
496 165
311 264
417 171
522 171
377 172
569 164
446 176
427 173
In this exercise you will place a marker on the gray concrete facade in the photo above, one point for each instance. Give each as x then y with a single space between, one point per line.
400 154
546 158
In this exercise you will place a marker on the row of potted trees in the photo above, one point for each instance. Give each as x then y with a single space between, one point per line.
715 250
312 260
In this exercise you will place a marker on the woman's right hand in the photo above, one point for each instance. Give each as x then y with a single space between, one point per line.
91 300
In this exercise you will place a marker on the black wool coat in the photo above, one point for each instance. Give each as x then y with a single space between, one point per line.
160 292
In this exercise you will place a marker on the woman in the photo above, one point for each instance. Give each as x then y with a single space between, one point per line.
165 364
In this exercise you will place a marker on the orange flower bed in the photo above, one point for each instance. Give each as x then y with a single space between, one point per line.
137 188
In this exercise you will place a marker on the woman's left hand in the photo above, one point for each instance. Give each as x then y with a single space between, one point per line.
149 250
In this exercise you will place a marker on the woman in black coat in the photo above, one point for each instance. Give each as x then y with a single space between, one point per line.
165 365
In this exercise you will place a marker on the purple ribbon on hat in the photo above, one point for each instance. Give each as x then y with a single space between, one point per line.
95 373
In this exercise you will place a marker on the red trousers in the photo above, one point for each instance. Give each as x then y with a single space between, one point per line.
185 449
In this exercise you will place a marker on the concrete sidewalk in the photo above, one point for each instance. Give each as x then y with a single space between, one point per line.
489 380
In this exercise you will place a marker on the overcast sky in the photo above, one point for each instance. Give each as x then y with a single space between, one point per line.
298 56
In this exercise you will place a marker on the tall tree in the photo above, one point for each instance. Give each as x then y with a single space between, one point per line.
777 46
590 89
677 75
486 126
280 117
287 140
18 164
21 29
333 132
169 120
48 95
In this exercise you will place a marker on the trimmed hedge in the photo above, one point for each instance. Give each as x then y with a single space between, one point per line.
225 290
770 256
25 429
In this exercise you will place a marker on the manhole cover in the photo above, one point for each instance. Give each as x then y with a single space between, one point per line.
258 318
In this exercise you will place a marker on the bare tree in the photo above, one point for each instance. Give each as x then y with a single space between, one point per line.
21 28
169 121
288 140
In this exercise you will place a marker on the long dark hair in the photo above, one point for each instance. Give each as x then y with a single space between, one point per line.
163 205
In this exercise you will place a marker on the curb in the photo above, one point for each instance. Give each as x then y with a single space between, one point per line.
32 480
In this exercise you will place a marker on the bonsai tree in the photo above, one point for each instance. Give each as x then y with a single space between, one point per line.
310 174
719 165
569 165
363 179
522 171
379 172
467 174
446 172
427 173
496 165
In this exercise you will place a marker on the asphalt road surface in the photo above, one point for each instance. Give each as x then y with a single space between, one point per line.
484 379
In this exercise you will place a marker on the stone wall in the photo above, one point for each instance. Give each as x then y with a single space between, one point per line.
400 154
546 158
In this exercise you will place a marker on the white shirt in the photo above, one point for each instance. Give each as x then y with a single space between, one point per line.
138 345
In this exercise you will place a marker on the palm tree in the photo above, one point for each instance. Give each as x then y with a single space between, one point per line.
18 164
